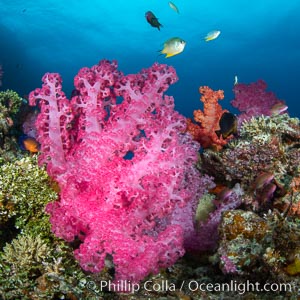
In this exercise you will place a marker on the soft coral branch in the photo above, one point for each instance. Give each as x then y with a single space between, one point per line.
53 123
204 131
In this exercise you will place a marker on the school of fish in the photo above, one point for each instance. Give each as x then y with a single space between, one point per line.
175 45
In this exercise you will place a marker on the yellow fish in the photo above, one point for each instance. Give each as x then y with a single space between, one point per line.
173 46
174 7
212 35
28 143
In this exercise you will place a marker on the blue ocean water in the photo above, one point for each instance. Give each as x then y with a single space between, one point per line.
259 40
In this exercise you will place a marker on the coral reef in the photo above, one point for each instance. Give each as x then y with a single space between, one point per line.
126 193
267 144
24 193
28 126
33 263
21 260
256 245
10 103
242 237
207 231
33 268
262 237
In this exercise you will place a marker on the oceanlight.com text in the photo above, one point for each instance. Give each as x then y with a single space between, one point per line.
240 287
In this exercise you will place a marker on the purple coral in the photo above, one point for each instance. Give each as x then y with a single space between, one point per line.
253 100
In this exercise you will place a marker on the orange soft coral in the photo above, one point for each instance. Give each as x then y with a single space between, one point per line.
208 119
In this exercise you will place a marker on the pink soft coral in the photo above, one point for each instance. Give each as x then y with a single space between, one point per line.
253 100
116 204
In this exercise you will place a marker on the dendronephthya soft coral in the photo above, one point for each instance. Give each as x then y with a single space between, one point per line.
204 131
123 168
253 100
